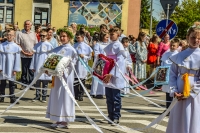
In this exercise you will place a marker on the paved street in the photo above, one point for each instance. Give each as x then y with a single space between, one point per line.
29 116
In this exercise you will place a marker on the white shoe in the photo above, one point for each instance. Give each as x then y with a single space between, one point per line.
54 125
61 126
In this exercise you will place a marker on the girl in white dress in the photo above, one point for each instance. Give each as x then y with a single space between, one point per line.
184 79
61 107
98 89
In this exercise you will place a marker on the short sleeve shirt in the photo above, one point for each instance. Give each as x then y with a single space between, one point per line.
27 41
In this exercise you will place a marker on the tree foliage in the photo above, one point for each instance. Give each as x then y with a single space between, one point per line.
185 14
145 15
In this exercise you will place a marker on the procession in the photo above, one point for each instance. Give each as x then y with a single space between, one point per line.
99 76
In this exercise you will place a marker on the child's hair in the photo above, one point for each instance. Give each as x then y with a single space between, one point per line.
154 37
183 41
102 35
43 31
194 28
175 40
140 35
115 29
125 40
103 26
48 29
80 33
82 30
131 37
184 46
95 37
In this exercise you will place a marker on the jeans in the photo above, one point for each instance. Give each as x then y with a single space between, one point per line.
11 88
113 100
44 85
27 74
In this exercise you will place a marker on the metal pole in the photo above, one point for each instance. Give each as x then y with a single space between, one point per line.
150 30
168 5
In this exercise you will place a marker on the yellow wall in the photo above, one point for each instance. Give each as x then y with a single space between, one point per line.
59 13
124 21
23 11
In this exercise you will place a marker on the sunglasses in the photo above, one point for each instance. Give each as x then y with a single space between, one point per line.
42 35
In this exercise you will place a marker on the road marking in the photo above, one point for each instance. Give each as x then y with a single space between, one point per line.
85 110
71 126
81 119
126 113
87 107
75 125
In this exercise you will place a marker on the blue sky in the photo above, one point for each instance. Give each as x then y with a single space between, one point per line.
157 8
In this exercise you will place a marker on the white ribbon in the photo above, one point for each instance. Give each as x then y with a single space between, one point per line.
72 97
139 95
157 120
11 79
161 117
24 92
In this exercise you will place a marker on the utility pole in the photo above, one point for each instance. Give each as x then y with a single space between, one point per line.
150 30
168 5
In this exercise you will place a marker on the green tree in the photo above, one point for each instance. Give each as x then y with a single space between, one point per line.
145 15
185 14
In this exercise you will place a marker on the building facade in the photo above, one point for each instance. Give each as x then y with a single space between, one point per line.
57 12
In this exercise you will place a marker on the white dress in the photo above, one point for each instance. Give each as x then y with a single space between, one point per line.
128 63
40 50
86 50
61 107
97 88
10 59
166 62
184 116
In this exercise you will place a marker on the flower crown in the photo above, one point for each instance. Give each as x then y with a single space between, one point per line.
69 33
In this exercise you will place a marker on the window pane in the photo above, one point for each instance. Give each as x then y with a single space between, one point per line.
42 1
41 16
1 15
1 1
9 1
9 15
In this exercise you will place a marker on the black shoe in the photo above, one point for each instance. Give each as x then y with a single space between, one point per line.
109 121
32 89
44 100
80 98
12 100
99 96
76 98
36 99
116 121
93 96
1 99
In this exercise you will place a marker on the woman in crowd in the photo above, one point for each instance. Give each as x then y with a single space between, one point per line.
163 47
141 57
51 39
152 52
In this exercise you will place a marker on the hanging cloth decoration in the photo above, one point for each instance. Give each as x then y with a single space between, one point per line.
162 75
102 66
